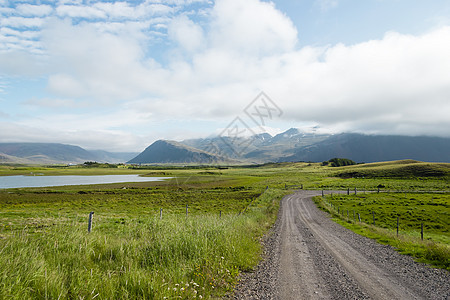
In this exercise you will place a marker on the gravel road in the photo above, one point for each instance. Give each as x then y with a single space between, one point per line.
308 256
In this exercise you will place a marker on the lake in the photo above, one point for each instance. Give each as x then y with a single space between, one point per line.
20 181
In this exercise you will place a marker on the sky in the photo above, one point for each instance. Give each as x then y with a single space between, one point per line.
118 75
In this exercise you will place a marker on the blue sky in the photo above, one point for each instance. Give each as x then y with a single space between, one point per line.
118 75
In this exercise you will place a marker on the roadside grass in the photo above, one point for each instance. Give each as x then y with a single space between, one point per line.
132 253
434 249
46 252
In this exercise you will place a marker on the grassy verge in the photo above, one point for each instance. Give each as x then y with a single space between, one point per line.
46 252
434 250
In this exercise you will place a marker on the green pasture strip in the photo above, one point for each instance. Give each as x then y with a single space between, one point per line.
412 209
132 253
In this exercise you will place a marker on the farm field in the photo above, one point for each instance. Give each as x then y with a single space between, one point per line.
132 252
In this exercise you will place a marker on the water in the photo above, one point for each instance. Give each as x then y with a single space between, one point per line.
20 181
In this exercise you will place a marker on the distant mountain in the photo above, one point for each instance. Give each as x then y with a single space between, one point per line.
112 157
291 145
44 153
52 153
259 148
162 151
374 148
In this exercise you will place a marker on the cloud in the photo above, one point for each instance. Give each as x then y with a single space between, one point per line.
376 86
209 68
75 11
187 34
30 10
251 27
21 22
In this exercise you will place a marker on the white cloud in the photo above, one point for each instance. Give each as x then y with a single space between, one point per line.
187 34
21 22
75 11
251 27
33 10
397 84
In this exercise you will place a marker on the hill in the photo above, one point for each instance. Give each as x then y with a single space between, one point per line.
374 148
53 153
259 148
162 152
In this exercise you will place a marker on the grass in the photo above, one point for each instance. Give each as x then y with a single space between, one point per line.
46 252
412 209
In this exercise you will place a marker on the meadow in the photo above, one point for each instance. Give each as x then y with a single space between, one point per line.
47 253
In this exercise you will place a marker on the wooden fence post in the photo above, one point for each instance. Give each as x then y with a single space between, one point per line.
397 224
359 218
421 231
322 193
355 190
90 221
220 214
348 191
160 213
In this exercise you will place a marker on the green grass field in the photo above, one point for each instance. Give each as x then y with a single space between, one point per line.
47 253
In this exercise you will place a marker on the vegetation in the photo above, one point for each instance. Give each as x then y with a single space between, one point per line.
339 162
46 251
411 211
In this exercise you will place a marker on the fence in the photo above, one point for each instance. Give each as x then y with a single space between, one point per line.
90 217
352 215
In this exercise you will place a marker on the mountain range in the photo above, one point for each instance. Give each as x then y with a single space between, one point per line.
53 153
296 145
291 145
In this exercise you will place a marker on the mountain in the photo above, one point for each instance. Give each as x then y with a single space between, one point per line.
259 148
291 145
113 157
53 153
163 151
374 148
44 153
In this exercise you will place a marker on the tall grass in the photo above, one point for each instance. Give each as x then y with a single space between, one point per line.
140 257
427 251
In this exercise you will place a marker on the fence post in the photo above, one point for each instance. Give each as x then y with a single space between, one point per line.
90 221
160 213
220 214
359 218
301 186
397 224
322 193
348 191
285 186
355 190
421 231
347 213
378 190
373 215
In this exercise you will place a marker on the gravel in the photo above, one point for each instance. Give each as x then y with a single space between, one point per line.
308 256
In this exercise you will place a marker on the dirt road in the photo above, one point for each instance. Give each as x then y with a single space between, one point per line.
308 256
